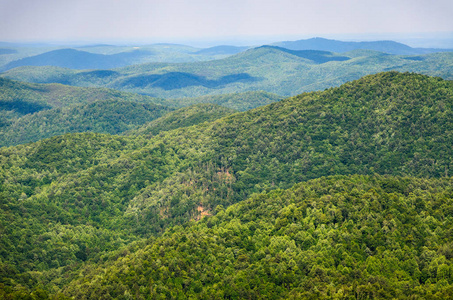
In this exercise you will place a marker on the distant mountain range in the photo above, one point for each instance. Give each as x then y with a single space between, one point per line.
222 50
76 59
389 47
272 69
101 56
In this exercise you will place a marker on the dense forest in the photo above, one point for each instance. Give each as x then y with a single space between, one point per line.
246 206
355 237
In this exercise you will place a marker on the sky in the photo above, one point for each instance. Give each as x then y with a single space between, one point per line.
220 20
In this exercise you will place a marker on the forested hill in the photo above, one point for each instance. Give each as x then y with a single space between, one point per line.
74 198
102 116
30 112
355 237
23 98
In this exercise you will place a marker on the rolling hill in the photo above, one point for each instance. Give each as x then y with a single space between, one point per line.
18 99
272 69
102 116
222 49
59 95
92 206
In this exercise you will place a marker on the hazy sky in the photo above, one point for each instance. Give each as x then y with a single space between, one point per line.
164 20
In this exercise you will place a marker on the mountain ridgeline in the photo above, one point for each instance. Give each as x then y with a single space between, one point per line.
323 44
268 68
76 59
106 56
95 214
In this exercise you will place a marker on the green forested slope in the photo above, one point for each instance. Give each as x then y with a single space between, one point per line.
136 187
59 95
184 117
104 116
271 69
354 237
19 98
239 101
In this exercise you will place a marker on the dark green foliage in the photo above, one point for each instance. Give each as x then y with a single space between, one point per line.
106 116
64 109
30 112
184 117
381 237
22 107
